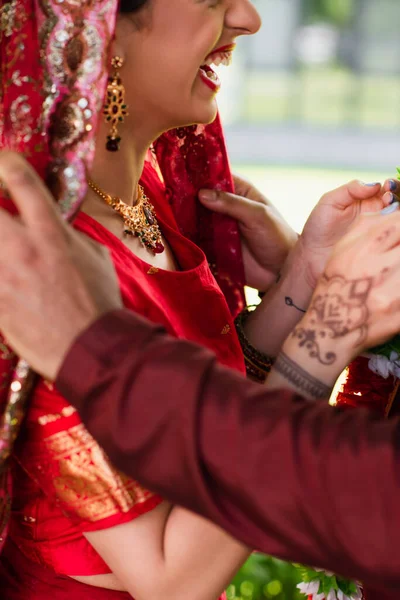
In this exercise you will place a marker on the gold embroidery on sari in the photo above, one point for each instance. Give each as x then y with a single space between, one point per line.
15 408
5 352
22 119
72 54
67 411
8 18
86 481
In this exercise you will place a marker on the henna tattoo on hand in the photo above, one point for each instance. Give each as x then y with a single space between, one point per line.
289 302
309 339
300 379
385 235
340 310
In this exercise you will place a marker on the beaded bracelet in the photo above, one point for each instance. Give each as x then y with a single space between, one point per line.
258 364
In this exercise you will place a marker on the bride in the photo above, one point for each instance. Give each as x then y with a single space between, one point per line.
78 527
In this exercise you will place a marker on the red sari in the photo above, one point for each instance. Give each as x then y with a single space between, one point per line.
64 484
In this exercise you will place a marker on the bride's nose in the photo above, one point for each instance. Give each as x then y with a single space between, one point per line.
243 17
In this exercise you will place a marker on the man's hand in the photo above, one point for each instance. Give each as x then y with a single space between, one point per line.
54 281
266 237
333 217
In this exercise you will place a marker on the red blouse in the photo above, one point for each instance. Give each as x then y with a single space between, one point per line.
64 484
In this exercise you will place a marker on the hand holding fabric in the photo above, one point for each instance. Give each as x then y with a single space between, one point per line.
58 282
266 237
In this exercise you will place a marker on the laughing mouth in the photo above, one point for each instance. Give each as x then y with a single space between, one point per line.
221 56
210 77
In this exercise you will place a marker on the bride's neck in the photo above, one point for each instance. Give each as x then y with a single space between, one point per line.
118 173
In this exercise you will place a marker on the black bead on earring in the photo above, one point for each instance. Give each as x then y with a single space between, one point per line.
115 108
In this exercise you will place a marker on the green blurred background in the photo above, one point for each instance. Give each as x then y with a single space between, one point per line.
309 103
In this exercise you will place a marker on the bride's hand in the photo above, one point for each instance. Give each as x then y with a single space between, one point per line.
266 237
355 306
334 215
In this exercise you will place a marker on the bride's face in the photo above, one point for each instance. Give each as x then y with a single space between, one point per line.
166 75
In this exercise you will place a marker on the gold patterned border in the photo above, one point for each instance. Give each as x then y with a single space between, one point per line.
85 481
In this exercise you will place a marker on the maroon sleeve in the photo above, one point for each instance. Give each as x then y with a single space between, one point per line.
298 480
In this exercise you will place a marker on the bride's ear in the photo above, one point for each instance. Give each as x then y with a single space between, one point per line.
117 49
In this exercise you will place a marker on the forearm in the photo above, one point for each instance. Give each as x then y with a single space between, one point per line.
265 466
173 554
199 559
281 308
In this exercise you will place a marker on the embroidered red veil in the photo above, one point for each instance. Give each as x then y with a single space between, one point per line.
52 83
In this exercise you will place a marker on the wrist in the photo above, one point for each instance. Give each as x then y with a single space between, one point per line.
281 308
310 362
294 279
311 261
324 363
289 373
295 370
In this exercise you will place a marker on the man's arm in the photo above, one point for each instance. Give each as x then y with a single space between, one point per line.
295 479
292 478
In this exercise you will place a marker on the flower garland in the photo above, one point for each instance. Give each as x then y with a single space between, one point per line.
323 585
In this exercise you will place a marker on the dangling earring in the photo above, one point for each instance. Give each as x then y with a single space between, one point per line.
115 109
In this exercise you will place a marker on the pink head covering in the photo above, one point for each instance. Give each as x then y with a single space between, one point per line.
51 93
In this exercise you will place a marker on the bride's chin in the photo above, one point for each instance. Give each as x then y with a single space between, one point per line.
197 111
198 117
206 113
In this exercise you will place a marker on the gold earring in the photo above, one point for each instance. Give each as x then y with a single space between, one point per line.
115 109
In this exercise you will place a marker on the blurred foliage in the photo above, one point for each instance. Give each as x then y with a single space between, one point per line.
322 97
265 578
337 12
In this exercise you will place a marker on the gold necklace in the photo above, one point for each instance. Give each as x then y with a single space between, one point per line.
139 220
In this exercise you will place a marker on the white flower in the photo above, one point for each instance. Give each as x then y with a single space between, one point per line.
312 588
309 588
383 366
358 595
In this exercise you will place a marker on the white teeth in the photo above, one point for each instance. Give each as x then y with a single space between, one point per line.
211 75
222 58
228 59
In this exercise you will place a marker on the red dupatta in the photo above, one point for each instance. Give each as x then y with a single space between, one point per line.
51 92
192 158
53 72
